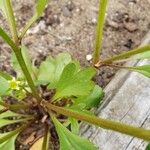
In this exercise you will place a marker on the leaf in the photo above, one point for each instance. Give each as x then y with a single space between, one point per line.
5 75
7 135
74 82
9 114
81 108
20 94
40 6
9 144
91 100
27 60
4 86
102 122
4 122
145 70
144 55
70 141
37 145
51 69
148 147
74 126
1 105
2 7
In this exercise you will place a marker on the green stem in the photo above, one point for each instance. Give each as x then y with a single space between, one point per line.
27 26
14 106
103 123
117 66
45 144
19 106
126 54
4 104
99 30
11 20
22 63
27 74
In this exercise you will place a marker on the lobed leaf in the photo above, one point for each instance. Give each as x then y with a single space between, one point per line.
74 82
91 100
51 69
69 140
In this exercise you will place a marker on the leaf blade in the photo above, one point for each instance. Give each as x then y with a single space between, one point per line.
145 70
69 140
51 69
91 100
9 144
74 82
4 86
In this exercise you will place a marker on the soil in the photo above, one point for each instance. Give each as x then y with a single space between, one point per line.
69 26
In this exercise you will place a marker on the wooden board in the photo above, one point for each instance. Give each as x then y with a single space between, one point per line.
127 100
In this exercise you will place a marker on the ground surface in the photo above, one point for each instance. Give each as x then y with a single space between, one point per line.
69 26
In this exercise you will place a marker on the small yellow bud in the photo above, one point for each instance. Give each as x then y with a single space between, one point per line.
14 84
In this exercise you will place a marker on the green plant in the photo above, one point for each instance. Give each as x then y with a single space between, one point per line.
72 91
148 147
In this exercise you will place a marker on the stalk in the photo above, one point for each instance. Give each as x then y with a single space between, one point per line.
27 74
103 123
18 106
99 30
117 66
22 63
126 54
45 144
15 106
11 20
4 104
27 26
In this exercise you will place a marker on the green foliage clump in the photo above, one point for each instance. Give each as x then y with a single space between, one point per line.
73 93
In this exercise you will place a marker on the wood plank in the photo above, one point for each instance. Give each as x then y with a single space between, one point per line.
127 100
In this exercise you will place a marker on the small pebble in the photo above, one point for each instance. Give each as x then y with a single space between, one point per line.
88 57
94 21
66 12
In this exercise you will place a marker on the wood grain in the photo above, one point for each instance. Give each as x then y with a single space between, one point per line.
127 100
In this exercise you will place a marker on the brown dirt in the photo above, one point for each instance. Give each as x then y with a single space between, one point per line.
69 26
